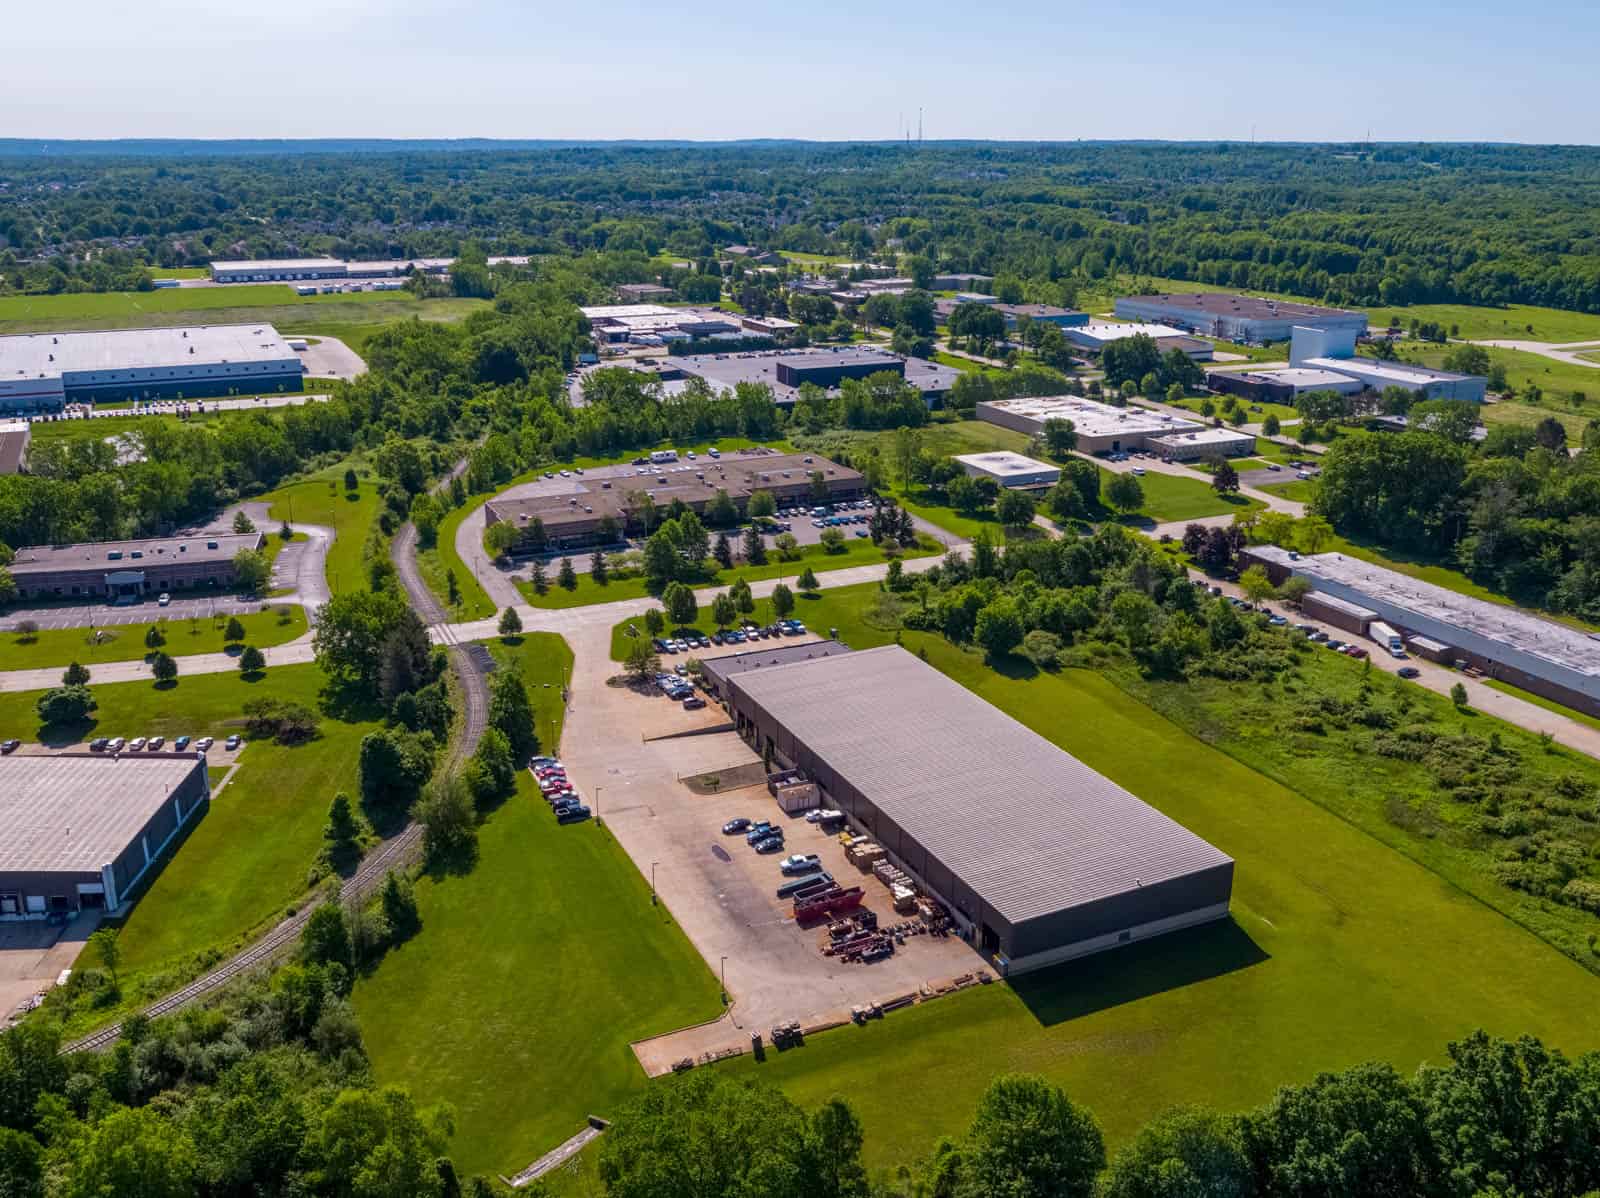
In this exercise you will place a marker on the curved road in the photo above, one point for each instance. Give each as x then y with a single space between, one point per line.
391 853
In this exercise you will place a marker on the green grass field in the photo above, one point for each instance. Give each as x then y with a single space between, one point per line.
857 552
323 500
125 642
1302 490
441 556
1510 323
249 857
1169 497
1255 411
1339 950
531 974
180 272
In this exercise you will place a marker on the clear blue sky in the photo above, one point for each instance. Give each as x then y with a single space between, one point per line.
824 69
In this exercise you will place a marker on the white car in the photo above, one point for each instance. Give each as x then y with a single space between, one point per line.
1138 471
136 744
155 742
204 743
163 599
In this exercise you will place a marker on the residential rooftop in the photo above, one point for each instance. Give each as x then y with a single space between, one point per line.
1049 833
73 812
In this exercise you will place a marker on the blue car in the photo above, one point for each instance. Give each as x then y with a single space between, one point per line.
771 844
759 832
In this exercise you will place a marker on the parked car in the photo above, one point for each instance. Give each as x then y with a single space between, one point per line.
1274 466
735 825
155 742
98 744
572 815
233 742
1318 635
539 761
758 831
1333 643
116 744
10 746
769 844
1408 672
163 599
181 744
800 863
204 743
693 703
136 745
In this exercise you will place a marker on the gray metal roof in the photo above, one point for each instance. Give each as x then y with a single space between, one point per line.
728 664
50 355
77 812
1025 825
151 552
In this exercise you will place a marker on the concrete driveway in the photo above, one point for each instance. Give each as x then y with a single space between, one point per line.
32 955
719 890
330 358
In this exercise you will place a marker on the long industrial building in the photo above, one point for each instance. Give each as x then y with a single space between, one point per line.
1242 318
130 570
1536 654
1040 858
1101 428
43 372
298 270
1334 350
773 369
599 505
85 830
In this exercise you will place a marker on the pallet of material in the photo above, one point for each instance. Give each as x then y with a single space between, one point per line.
905 899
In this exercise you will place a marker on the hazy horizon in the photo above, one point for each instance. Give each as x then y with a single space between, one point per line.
428 70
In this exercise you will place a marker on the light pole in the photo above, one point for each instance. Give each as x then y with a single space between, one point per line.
597 791
653 865
724 972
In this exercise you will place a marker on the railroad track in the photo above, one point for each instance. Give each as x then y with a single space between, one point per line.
392 853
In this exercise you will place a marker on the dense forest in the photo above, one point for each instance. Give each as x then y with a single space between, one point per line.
1355 224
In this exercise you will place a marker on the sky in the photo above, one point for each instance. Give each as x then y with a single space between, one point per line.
822 70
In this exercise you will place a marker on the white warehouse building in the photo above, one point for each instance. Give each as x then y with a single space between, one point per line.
42 372
1009 469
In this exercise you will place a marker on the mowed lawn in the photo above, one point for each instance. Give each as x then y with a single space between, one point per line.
1169 497
858 551
248 858
350 514
517 1000
125 642
1340 950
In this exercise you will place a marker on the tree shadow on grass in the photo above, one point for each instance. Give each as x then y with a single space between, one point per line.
1010 666
349 702
1078 988
59 736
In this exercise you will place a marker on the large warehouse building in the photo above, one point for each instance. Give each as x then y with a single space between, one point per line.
299 270
1242 318
1095 338
1041 859
574 511
83 830
1101 428
43 372
1504 642
1334 350
129 570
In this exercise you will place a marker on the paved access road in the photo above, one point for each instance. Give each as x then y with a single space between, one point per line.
1569 352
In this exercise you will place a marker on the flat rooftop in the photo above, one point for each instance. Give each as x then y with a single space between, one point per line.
77 812
1004 462
133 555
1049 834
280 264
1208 436
606 312
729 664
840 357
1035 311
1401 374
1092 418
725 371
604 490
1246 307
1558 644
1295 376
1108 331
49 355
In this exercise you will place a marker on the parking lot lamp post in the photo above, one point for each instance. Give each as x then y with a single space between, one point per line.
653 865
597 791
724 972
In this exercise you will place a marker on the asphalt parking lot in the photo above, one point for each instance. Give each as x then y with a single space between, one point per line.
622 752
106 615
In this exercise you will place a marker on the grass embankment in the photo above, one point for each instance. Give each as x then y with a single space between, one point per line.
249 857
857 552
1510 323
1340 949
271 303
323 500
125 642
531 974
1171 497
1301 490
437 559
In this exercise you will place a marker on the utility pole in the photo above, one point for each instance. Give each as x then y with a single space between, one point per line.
653 865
